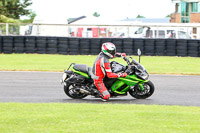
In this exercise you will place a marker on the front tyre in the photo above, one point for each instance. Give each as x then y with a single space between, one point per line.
70 90
139 94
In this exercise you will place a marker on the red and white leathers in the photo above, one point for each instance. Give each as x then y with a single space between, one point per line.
101 68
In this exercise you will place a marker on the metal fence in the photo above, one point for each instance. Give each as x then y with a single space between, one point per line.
157 30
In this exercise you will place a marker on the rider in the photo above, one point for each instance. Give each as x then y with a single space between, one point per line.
102 68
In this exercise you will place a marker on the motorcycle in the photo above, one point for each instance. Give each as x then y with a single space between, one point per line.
78 80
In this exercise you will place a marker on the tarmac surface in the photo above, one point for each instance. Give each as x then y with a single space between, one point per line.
45 87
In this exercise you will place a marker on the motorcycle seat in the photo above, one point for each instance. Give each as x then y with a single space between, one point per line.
84 68
81 67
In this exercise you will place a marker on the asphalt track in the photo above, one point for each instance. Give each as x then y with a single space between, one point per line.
45 87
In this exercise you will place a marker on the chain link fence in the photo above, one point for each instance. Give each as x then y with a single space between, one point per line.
142 30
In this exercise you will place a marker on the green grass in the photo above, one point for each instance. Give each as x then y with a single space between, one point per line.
153 64
90 118
98 118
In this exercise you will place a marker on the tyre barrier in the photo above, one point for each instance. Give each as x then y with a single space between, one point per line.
30 44
171 47
62 45
95 46
149 46
0 44
127 45
84 46
160 47
92 46
118 43
7 44
138 44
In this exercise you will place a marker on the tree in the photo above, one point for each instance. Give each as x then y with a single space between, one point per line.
32 16
15 9
139 16
96 14
7 20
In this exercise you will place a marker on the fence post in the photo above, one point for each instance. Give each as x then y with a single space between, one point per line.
7 29
68 31
198 32
107 32
128 30
99 31
38 30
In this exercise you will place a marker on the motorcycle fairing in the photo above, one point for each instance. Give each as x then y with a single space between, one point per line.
130 80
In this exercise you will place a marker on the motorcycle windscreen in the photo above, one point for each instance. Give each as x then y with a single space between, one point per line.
116 67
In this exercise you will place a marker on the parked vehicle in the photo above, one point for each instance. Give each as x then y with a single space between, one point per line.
78 82
162 32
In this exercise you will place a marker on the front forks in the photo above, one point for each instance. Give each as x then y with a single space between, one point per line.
140 85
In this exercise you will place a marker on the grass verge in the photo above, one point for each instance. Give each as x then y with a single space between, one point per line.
73 118
153 64
90 118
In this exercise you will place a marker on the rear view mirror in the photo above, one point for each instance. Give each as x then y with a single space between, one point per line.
139 52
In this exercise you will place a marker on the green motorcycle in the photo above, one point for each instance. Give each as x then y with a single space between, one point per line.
78 81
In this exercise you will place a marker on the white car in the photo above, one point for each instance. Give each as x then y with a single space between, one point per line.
161 32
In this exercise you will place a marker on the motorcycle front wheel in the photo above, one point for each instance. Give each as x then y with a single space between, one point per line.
139 94
70 91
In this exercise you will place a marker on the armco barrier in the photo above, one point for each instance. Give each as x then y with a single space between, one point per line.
92 46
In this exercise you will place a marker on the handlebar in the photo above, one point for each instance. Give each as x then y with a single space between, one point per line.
127 60
133 62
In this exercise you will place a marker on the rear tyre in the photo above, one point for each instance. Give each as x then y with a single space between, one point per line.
148 91
70 91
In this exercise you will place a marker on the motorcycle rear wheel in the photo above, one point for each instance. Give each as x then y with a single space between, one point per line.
70 91
148 91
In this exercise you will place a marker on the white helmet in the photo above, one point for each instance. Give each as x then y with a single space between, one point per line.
108 49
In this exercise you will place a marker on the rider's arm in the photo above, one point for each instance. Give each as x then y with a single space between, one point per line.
109 71
120 54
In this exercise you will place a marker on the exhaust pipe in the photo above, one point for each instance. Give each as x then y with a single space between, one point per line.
83 91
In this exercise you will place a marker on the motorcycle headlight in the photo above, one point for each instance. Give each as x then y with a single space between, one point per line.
143 75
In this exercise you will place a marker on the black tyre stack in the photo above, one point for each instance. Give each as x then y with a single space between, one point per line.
8 44
171 47
63 45
104 40
149 46
181 47
160 47
95 46
193 48
118 44
52 45
84 46
41 45
128 46
138 44
1 45
199 49
74 46
19 44
30 44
